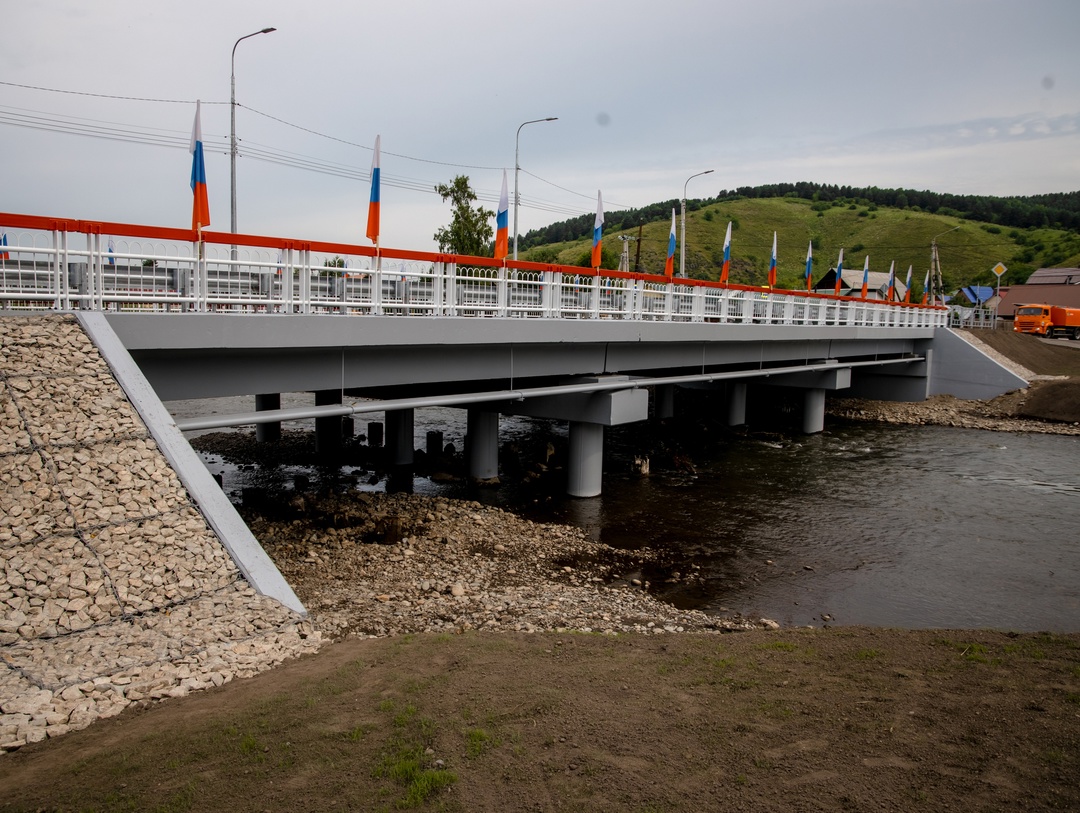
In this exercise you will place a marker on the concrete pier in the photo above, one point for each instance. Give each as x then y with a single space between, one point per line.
266 432
399 437
585 466
328 430
482 448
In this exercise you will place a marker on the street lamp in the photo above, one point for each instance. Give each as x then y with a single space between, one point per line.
682 240
232 131
517 199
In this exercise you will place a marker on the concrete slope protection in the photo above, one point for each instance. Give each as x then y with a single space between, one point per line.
113 587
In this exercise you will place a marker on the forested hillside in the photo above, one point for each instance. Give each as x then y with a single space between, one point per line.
890 225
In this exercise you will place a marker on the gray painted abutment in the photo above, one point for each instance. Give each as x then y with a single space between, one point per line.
250 558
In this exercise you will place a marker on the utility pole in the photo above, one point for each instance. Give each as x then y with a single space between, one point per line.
624 258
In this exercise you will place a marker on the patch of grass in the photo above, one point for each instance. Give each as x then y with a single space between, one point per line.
358 733
741 779
1053 756
973 652
719 663
252 748
782 646
774 708
406 767
178 802
405 760
476 742
868 654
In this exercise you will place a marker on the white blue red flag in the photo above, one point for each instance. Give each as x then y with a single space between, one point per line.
3 242
112 250
200 210
891 294
598 232
926 287
373 204
809 262
866 276
727 255
839 273
669 263
772 263
907 286
502 223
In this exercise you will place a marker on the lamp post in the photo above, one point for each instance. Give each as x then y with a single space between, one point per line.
517 199
682 240
232 132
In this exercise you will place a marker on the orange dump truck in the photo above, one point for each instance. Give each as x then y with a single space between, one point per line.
1047 320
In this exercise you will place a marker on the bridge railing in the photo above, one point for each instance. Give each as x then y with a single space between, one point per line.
73 264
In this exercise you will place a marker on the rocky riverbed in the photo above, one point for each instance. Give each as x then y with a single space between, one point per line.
376 564
1012 412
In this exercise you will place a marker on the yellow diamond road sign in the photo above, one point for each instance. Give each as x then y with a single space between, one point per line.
999 269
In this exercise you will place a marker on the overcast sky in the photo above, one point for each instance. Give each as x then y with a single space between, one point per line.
962 96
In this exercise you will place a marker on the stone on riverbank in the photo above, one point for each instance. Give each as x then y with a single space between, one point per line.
113 589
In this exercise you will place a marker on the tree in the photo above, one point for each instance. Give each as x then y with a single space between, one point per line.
470 230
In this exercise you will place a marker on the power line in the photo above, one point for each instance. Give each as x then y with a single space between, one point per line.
545 206
112 131
104 95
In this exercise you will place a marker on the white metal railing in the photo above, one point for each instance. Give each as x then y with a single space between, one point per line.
43 269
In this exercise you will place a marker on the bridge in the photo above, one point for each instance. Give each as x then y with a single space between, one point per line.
212 314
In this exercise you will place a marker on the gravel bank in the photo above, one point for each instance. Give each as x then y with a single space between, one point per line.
113 588
377 564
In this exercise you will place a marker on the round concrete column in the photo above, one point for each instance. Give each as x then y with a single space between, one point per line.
268 431
483 444
813 411
399 437
585 468
327 430
736 403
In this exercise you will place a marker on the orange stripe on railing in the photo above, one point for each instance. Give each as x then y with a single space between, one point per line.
42 223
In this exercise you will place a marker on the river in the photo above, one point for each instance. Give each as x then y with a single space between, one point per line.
889 526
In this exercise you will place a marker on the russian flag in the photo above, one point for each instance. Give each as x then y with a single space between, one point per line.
598 231
772 263
892 282
839 273
112 259
373 205
3 242
809 262
865 276
727 255
200 210
669 263
926 287
907 286
502 224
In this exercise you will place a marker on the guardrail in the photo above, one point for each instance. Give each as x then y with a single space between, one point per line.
125 267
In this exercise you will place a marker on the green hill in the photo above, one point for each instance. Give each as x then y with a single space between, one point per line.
968 248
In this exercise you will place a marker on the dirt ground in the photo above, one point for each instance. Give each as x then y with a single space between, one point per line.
833 719
792 720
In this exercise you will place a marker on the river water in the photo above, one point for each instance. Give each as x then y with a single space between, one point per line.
914 527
